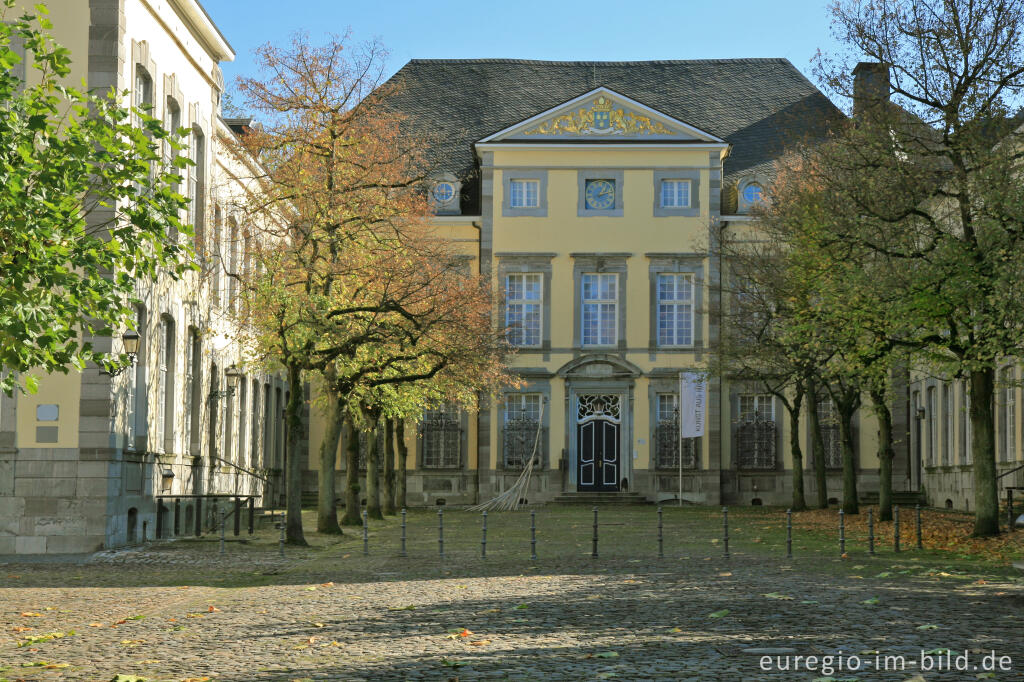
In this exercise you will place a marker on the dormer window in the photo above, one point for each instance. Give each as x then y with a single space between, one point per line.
753 194
750 193
444 194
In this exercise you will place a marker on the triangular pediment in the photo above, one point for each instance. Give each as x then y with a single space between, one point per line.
602 115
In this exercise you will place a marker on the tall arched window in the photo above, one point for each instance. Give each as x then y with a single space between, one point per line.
172 121
165 386
213 249
232 303
197 187
137 384
193 392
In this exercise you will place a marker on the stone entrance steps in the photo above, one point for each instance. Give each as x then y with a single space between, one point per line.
598 499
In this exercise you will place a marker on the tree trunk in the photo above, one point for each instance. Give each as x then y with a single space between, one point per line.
373 473
799 503
850 504
403 454
352 507
389 467
983 450
886 455
817 445
327 510
293 533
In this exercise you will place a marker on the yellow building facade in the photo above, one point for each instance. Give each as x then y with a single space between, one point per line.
594 194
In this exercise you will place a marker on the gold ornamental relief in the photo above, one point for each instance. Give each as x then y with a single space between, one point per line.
602 118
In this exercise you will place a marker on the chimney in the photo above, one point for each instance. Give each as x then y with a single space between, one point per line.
870 86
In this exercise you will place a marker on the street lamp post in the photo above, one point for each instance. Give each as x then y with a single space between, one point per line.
232 374
130 341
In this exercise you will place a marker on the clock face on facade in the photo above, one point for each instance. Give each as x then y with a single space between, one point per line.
600 195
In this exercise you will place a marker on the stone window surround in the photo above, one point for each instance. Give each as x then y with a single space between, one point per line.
453 207
747 387
691 211
682 263
598 263
531 385
661 382
141 58
513 263
616 174
538 174
743 206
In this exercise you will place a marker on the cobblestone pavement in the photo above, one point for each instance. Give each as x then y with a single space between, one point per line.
180 611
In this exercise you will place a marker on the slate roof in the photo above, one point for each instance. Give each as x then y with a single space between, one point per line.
757 105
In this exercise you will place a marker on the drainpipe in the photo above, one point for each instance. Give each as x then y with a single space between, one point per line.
480 267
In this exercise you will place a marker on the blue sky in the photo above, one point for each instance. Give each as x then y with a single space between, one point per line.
531 29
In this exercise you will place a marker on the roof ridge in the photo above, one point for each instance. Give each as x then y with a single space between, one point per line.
498 60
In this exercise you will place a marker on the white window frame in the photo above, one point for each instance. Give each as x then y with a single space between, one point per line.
519 404
758 401
601 307
677 306
162 385
517 335
521 199
676 193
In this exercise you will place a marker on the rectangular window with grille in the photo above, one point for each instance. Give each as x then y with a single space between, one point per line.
523 308
523 430
667 444
442 439
828 422
756 432
675 309
600 309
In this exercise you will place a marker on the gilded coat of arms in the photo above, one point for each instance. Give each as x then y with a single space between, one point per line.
601 118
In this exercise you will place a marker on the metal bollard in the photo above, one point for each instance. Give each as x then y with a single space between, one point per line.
440 533
789 533
920 542
366 535
661 538
199 517
401 552
842 532
483 539
725 530
238 517
177 516
896 527
280 542
593 551
159 518
871 532
222 530
252 515
533 535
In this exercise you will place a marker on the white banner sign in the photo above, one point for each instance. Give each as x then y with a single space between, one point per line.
693 391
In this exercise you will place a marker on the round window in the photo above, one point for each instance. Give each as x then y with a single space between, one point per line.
444 192
753 194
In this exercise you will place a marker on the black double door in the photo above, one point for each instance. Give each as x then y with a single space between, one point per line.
599 468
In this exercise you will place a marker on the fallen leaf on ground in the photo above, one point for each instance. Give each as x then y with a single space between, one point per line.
212 609
31 614
719 614
480 642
